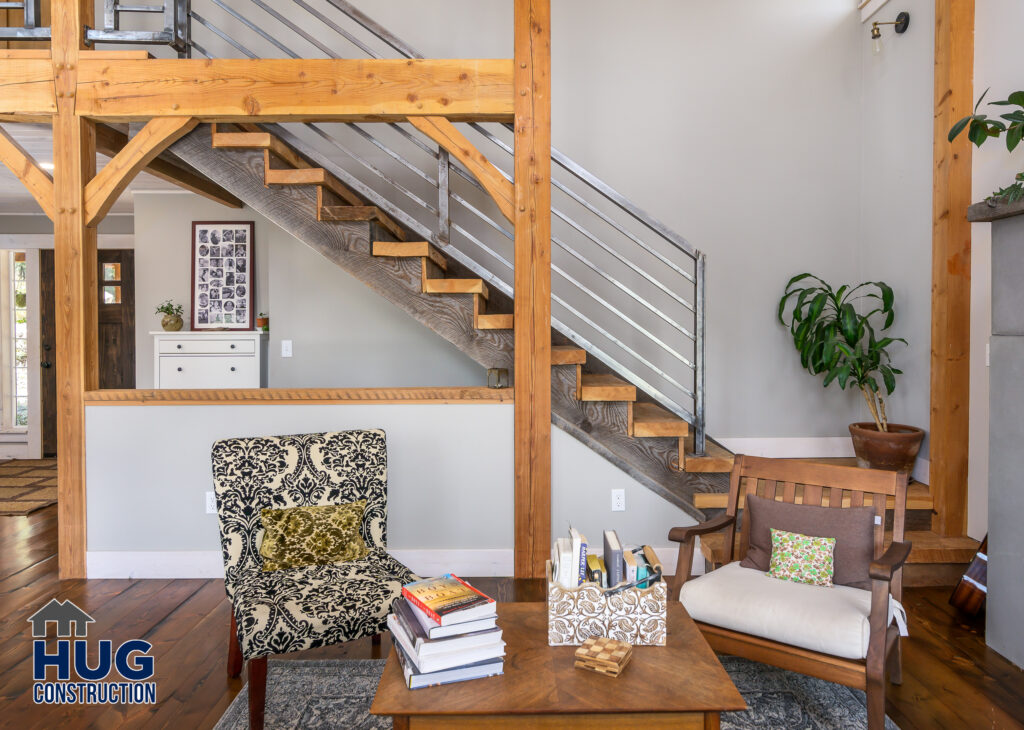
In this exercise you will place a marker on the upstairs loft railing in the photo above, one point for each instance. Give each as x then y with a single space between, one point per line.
624 286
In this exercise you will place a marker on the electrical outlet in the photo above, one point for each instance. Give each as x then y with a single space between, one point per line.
618 500
286 348
211 503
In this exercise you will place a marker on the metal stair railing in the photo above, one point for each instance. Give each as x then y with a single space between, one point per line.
30 30
636 260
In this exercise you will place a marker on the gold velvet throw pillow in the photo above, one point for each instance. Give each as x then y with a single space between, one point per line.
300 536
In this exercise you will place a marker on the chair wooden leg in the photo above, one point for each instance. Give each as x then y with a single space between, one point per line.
234 650
375 639
894 663
375 650
876 700
257 691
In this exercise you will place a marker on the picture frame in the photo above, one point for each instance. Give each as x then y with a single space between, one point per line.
223 282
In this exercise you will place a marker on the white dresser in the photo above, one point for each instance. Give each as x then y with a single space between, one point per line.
209 359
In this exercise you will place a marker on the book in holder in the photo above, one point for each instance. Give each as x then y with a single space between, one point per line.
624 612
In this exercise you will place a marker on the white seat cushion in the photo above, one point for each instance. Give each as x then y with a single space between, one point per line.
832 620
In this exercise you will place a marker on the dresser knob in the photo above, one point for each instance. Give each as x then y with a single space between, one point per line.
179 370
232 368
179 347
232 347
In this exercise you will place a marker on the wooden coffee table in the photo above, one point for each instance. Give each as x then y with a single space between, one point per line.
681 685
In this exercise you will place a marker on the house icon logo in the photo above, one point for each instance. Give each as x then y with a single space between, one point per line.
63 613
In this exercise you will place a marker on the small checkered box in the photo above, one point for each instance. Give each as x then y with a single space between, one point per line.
604 655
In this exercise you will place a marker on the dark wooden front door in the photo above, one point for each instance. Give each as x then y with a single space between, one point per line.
116 324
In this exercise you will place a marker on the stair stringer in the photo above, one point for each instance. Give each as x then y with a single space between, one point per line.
599 425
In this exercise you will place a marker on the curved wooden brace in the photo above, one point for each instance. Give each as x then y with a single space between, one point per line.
26 169
108 184
450 138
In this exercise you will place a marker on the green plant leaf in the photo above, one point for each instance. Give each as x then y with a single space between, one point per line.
978 133
957 128
888 378
848 323
844 375
888 319
980 98
1013 136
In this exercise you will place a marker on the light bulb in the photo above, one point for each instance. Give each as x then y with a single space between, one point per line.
876 46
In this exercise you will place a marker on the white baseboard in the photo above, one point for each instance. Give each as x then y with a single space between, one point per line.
480 563
809 447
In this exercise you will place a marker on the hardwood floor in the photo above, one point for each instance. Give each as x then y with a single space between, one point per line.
950 678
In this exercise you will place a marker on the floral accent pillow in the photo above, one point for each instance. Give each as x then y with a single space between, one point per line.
802 559
315 535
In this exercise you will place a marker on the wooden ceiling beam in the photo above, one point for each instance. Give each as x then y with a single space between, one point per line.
487 174
103 190
229 90
27 170
27 86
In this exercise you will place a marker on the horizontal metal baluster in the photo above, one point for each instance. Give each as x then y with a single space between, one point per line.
372 168
398 214
220 34
337 28
391 153
415 140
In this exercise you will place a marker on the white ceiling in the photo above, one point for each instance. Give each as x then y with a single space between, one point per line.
37 139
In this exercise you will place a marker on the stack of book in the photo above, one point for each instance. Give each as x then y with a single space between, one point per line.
446 631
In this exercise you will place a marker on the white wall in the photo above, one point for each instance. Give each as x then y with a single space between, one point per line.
450 489
997 27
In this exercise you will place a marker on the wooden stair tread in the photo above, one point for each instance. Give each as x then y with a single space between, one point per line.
716 459
342 213
568 355
494 321
243 140
605 386
410 249
926 547
455 286
651 420
918 497
311 176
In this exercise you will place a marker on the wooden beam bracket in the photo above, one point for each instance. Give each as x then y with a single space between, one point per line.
25 168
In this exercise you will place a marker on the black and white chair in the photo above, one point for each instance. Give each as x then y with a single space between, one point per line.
301 608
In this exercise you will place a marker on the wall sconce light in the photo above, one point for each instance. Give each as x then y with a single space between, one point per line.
901 24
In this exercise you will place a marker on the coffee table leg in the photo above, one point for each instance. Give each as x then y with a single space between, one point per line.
710 721
401 722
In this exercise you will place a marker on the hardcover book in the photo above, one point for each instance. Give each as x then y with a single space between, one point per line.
414 679
446 660
424 645
448 599
613 557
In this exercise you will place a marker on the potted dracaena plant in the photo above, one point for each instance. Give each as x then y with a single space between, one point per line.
835 340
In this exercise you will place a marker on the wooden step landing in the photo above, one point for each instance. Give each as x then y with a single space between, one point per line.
455 286
650 420
410 249
716 460
603 386
568 355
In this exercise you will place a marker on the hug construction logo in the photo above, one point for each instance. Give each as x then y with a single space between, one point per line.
131 665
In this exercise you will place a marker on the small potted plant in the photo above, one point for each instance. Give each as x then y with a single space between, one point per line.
980 128
836 340
172 321
263 322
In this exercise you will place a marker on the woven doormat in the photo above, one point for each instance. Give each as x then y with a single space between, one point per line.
27 485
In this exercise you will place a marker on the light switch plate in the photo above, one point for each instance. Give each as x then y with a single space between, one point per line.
618 500
211 503
286 348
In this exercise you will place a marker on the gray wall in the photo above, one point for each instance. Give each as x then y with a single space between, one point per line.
343 334
449 475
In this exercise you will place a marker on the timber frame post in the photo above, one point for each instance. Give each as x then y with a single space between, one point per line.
532 286
74 156
951 268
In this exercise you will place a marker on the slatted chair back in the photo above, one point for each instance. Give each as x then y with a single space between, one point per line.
822 485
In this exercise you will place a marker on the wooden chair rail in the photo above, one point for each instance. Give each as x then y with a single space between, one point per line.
284 396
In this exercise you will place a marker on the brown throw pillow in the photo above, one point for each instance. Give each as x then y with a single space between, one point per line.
853 528
314 535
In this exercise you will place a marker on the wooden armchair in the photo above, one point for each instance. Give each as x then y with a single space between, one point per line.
733 597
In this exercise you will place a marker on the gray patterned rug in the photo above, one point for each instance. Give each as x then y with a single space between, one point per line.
317 695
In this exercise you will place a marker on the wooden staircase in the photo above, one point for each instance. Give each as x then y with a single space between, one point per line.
335 202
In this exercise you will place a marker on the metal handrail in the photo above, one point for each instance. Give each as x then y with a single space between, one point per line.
440 181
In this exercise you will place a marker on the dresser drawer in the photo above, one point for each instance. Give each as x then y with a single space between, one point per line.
197 371
207 347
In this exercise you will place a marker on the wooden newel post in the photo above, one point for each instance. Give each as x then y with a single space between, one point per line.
74 157
532 88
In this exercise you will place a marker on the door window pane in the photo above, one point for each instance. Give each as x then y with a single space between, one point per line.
111 272
112 295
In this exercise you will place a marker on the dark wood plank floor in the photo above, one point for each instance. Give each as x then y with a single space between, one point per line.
951 679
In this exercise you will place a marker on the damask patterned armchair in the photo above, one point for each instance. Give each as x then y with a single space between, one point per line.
301 608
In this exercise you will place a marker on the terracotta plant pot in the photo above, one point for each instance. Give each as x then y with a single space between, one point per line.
171 322
263 324
895 449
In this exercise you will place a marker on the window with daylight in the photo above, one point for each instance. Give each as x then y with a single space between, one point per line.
14 394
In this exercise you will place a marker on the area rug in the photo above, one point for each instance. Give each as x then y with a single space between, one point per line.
337 694
27 485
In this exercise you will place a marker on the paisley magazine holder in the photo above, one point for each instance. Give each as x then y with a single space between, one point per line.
634 615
